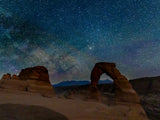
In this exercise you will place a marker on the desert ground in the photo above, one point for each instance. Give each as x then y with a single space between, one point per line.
31 97
19 105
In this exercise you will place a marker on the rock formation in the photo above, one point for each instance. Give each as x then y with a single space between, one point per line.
123 89
124 93
15 77
8 82
6 77
34 79
39 73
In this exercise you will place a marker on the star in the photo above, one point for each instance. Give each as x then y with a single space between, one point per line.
68 36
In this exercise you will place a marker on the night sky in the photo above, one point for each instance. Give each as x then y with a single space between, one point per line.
70 36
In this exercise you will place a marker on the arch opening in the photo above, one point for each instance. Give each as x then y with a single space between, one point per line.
107 89
105 79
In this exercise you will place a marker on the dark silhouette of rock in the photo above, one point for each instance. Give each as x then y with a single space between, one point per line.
14 77
6 77
39 73
123 89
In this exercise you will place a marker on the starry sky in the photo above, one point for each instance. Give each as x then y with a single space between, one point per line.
70 36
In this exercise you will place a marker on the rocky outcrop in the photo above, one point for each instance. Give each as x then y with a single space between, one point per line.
123 89
8 82
14 77
39 73
6 77
34 79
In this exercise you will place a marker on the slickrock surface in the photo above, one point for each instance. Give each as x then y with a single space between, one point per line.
74 108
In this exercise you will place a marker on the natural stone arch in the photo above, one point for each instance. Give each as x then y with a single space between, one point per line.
123 89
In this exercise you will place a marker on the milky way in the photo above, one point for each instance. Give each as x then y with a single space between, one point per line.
70 36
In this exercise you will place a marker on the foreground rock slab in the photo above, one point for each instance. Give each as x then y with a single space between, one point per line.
73 109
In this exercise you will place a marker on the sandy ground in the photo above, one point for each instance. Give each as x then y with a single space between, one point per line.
71 109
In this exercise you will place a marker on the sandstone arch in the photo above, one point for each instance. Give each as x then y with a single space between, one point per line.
123 89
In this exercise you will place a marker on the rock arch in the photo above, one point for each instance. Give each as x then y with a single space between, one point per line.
123 89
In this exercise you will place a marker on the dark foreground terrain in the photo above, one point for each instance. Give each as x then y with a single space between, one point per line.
147 88
28 112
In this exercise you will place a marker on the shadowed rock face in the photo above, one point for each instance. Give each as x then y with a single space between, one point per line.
34 73
123 89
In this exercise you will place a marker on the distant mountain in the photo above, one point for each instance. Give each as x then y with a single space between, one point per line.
73 83
105 82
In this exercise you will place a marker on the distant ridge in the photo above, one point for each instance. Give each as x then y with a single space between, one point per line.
141 85
84 82
146 84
